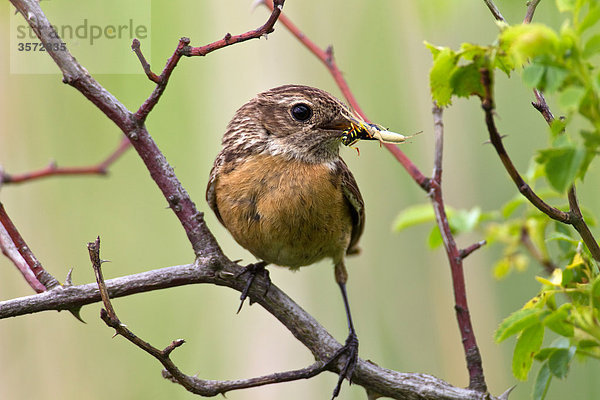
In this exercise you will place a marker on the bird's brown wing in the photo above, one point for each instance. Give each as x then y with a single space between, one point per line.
357 206
211 197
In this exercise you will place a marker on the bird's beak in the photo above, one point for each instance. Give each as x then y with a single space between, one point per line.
359 129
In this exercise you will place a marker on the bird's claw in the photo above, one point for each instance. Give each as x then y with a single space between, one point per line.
253 270
350 350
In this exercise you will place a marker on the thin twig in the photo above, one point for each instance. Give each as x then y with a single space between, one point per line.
487 103
541 105
41 280
531 5
54 170
135 46
464 253
326 57
190 383
494 10
229 39
525 238
455 257
573 217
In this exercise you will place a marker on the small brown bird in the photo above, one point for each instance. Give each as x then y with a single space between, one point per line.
281 189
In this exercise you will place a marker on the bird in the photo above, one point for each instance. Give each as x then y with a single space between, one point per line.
280 187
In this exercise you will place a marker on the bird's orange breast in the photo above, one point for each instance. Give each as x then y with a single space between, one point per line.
288 213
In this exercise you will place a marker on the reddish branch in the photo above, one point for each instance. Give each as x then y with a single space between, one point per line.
183 49
53 170
33 272
455 258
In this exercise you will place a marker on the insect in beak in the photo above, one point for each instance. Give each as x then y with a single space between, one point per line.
361 130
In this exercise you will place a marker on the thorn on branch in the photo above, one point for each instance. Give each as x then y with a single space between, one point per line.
174 344
329 53
464 253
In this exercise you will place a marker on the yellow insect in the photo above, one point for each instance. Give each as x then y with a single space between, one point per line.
361 130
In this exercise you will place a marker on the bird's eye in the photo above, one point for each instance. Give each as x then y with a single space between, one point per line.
301 112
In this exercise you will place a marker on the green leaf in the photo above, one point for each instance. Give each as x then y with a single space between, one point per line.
557 321
502 268
596 287
414 215
565 5
510 207
590 19
466 81
542 382
589 106
444 63
435 238
592 46
525 42
465 220
544 353
557 126
516 322
561 165
554 77
528 343
559 362
570 98
533 74
544 73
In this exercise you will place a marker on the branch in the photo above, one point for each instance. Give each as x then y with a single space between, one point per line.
14 247
455 257
574 216
326 57
487 103
183 49
494 10
531 5
162 173
222 272
192 384
53 170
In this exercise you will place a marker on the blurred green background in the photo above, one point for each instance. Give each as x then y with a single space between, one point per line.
399 289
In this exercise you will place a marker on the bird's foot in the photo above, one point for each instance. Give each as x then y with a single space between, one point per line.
350 350
253 270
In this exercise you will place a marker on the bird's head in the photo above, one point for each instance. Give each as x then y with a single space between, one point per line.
300 122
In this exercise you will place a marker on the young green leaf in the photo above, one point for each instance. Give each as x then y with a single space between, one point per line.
559 362
570 98
444 63
558 321
542 382
517 321
566 5
525 42
592 46
415 215
466 80
528 343
561 165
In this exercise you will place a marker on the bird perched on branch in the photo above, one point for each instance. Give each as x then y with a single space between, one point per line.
281 189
